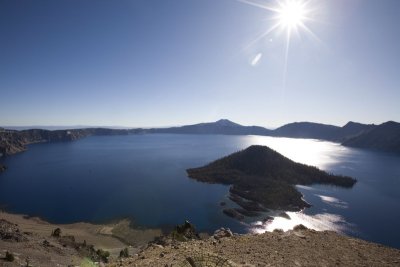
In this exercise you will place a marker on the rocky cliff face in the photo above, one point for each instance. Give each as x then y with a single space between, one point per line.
12 142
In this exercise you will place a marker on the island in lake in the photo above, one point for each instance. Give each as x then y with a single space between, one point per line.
262 179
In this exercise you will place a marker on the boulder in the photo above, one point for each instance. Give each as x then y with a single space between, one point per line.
299 227
284 215
222 232
10 232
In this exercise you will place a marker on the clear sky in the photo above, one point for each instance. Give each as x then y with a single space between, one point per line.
159 63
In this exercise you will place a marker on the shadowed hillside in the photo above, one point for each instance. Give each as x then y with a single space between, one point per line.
322 131
385 137
219 127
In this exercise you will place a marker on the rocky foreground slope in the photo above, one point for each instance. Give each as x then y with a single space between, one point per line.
300 247
32 242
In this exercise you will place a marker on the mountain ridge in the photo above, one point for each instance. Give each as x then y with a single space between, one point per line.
383 137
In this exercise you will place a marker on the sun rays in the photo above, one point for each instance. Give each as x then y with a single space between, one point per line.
288 17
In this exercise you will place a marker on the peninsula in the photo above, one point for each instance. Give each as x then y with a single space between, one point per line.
261 179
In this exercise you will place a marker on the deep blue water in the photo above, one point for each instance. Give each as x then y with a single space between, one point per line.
142 177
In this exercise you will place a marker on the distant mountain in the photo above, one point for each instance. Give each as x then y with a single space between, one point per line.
322 131
308 130
352 129
292 130
385 137
382 137
219 127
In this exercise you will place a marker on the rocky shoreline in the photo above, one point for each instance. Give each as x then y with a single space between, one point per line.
12 142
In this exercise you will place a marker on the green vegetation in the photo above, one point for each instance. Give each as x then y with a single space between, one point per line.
103 255
124 253
259 174
184 232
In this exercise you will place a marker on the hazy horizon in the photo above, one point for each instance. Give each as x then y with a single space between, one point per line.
62 127
159 64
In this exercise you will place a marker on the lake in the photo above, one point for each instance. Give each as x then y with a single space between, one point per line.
142 177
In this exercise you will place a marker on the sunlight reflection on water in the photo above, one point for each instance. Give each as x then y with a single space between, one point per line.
306 151
319 222
317 153
333 201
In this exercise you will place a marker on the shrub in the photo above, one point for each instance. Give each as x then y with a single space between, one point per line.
9 256
56 232
124 253
103 255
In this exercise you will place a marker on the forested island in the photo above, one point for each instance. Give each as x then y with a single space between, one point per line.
261 179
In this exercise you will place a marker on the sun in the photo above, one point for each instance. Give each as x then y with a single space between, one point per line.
291 14
288 16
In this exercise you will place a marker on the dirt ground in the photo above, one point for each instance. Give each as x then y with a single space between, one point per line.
31 242
292 248
34 231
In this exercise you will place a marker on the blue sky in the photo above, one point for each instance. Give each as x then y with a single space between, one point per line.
146 63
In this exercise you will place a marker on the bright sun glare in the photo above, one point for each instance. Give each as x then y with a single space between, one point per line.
288 15
291 14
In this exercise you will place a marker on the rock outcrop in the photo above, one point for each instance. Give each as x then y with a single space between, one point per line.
222 232
10 232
